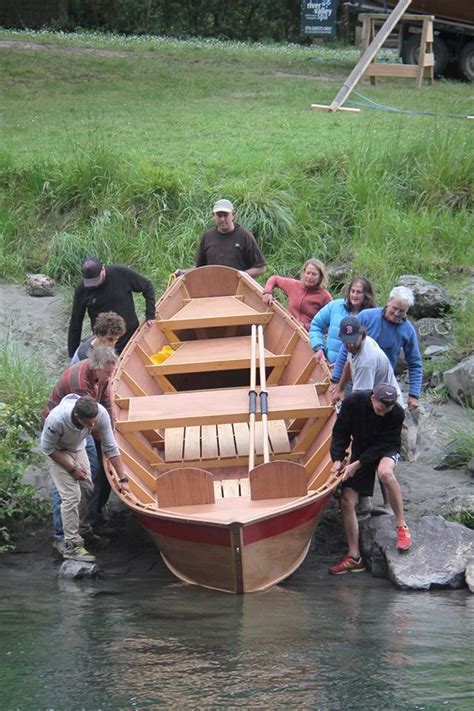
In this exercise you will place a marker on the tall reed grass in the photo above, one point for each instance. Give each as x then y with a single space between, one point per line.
385 209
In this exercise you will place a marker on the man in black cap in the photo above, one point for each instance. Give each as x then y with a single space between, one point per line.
371 423
109 288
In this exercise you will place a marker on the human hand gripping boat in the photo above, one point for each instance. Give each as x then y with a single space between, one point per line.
231 498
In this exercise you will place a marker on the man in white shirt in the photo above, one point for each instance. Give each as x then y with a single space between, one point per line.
63 441
369 365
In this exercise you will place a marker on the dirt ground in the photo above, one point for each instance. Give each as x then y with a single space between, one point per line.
38 326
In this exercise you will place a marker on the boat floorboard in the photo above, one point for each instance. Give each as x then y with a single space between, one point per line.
233 509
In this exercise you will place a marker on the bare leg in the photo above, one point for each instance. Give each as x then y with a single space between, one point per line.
386 475
348 503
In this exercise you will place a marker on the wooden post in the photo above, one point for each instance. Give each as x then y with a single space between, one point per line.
426 57
369 54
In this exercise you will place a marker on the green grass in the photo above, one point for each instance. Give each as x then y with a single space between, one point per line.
23 393
123 153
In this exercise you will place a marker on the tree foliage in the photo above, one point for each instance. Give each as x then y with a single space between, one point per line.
241 19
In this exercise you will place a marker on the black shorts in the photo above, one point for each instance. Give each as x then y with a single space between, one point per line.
363 481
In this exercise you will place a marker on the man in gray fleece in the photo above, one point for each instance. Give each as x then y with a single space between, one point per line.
63 441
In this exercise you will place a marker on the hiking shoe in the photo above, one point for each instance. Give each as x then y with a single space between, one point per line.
79 553
403 538
348 565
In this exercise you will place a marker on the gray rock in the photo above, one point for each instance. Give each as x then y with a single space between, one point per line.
470 466
339 275
76 570
410 450
456 504
449 457
430 299
438 557
436 351
469 574
40 285
460 381
434 332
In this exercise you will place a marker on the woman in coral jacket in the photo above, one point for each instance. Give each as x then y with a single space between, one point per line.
324 328
306 295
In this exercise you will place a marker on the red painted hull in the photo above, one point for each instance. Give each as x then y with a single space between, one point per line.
229 557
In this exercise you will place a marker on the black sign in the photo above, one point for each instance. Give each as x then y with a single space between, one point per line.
318 18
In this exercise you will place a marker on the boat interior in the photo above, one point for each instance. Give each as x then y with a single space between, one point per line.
181 398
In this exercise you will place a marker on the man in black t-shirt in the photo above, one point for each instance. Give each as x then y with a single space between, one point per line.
370 422
228 244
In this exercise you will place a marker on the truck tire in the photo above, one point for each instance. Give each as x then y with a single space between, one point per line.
411 48
466 61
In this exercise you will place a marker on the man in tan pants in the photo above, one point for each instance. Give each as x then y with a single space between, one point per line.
63 441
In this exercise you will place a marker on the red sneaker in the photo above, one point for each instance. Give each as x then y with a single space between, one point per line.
348 565
403 538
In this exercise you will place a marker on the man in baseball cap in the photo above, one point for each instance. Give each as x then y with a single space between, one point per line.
371 424
368 364
109 288
229 244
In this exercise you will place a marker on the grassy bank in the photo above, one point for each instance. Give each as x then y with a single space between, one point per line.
23 392
123 153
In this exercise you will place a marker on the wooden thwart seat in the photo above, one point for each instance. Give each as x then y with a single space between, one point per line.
218 407
211 355
212 311
221 441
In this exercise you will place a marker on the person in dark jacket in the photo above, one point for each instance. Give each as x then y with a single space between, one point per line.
371 423
109 288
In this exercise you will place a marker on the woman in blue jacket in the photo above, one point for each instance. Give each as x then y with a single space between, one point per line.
360 295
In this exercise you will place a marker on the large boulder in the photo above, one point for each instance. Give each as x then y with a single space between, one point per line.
437 559
40 285
431 300
434 336
460 381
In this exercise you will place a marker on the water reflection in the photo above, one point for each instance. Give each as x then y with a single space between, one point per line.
350 643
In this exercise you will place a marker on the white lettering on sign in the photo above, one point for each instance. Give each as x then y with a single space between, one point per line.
322 10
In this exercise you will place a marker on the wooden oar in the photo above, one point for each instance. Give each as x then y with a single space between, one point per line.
281 478
252 396
263 395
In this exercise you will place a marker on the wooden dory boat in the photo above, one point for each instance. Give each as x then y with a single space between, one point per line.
182 425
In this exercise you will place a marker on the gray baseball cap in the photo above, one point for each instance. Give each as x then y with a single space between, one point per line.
223 206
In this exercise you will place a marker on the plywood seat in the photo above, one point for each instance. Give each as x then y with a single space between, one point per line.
210 407
211 355
204 442
213 311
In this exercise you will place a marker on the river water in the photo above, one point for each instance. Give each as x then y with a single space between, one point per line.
314 642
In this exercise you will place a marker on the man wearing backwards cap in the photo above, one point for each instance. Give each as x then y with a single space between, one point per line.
229 244
368 363
371 423
109 288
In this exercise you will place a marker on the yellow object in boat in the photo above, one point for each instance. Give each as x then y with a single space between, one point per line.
162 355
